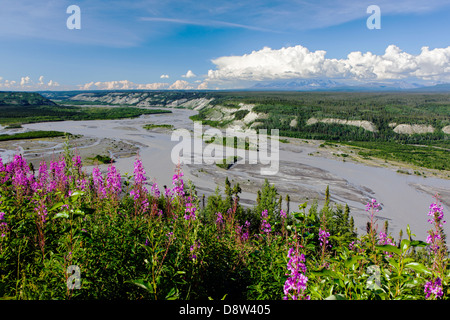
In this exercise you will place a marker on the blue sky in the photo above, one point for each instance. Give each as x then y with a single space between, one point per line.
224 44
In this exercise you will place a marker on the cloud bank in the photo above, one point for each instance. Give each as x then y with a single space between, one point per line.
300 62
27 84
129 85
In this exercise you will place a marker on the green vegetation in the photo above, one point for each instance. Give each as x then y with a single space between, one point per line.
17 108
32 135
12 114
155 126
8 98
422 156
380 109
102 159
227 163
213 123
131 242
236 142
79 103
14 126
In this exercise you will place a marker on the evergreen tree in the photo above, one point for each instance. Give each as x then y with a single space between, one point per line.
288 199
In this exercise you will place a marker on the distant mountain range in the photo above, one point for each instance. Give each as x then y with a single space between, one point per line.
330 85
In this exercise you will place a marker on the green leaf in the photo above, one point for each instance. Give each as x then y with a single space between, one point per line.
302 206
406 260
78 212
173 294
418 243
142 284
75 195
349 263
405 244
61 215
416 266
298 215
336 297
394 263
389 248
56 206
325 272
408 231
412 283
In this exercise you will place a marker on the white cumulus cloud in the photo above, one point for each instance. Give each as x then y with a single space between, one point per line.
300 62
25 80
202 86
27 84
181 85
164 76
189 74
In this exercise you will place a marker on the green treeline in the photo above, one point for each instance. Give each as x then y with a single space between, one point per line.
31 135
11 114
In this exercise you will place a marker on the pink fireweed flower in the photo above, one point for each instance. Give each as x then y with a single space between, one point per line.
434 236
323 238
41 211
155 190
20 179
139 172
265 226
296 283
437 214
384 239
373 205
351 245
178 184
42 177
76 162
168 193
193 249
113 182
434 240
219 218
433 289
282 214
19 170
18 163
58 174
243 235
139 192
81 184
97 179
190 211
